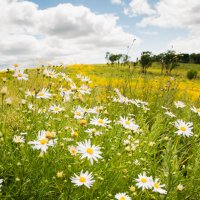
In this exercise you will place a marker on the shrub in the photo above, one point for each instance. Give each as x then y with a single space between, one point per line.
192 74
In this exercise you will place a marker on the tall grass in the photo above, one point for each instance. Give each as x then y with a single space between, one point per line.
157 149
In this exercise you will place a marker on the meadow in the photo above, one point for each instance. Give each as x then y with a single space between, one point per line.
99 132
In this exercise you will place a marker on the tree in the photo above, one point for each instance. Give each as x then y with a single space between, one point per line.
113 58
170 61
195 58
184 58
146 60
118 58
107 57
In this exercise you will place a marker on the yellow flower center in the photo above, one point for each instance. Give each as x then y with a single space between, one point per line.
156 185
78 113
122 198
49 134
198 110
41 94
100 121
83 122
143 180
73 151
82 179
75 134
17 140
56 109
183 128
15 65
43 141
19 75
128 122
90 151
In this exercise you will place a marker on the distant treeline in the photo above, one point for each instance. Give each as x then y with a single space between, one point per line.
183 57
168 60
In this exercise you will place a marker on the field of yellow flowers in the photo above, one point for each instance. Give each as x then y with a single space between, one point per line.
98 132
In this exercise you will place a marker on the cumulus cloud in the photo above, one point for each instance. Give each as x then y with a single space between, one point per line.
116 1
177 14
138 7
64 33
189 44
170 13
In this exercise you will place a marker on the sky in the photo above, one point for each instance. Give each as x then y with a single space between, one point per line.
42 32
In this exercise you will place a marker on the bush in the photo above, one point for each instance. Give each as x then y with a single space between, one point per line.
192 74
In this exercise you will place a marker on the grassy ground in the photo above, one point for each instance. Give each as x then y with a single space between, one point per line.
154 148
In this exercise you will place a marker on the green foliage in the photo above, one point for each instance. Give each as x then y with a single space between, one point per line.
117 58
192 74
146 60
156 149
195 58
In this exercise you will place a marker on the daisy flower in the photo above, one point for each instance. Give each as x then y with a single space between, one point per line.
99 122
73 150
94 110
73 86
180 187
79 112
157 187
8 101
184 128
18 139
4 90
50 134
62 91
19 74
129 124
122 196
196 110
79 76
66 94
42 143
91 152
179 104
93 132
31 106
83 179
15 66
50 73
56 109
74 133
43 94
144 182
84 89
86 79
23 101
42 110
29 93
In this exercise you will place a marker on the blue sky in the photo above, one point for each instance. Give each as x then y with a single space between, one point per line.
81 31
155 42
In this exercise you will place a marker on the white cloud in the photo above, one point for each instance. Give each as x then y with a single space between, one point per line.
182 14
189 44
138 7
64 33
149 32
116 1
170 13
